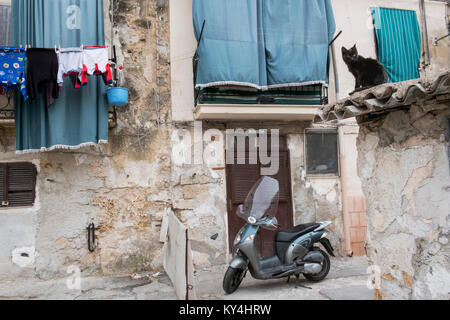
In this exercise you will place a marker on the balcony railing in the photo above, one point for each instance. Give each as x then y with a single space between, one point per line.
306 95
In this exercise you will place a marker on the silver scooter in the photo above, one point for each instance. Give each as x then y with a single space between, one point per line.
295 250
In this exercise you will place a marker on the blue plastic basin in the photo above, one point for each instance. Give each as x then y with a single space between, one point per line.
117 96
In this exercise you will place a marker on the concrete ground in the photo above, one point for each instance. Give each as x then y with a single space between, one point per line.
93 288
346 281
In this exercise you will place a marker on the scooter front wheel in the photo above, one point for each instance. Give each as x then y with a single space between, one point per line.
325 269
232 279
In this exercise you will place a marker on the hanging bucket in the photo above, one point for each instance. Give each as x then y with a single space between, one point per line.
117 96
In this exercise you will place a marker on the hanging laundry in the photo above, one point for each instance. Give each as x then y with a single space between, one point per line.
12 69
70 64
96 62
42 71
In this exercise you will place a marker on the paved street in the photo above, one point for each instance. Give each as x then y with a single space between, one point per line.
347 280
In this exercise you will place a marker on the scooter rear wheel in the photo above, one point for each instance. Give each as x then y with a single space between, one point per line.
325 269
232 279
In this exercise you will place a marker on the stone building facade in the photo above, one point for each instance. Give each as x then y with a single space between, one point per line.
125 186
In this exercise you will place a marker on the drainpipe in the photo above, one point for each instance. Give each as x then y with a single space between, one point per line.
335 71
347 247
423 17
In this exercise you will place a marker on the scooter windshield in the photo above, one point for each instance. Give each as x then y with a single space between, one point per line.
262 200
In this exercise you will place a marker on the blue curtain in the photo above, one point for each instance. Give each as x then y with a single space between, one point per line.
232 45
297 36
80 116
399 42
263 43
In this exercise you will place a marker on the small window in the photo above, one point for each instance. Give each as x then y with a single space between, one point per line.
5 25
17 184
322 152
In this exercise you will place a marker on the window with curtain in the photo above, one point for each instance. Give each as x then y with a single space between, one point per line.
264 45
5 25
5 41
79 117
398 41
322 155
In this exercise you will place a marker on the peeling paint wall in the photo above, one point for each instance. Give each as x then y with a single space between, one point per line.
404 166
122 187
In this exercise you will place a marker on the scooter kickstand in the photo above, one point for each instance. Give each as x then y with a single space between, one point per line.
298 284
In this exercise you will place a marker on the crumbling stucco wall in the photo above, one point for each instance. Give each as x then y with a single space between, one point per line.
117 186
404 166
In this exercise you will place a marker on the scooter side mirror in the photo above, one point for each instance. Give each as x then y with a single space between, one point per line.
240 211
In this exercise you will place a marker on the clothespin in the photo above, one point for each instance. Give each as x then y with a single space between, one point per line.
82 47
55 48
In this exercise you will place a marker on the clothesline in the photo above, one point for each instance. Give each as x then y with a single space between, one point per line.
28 46
47 68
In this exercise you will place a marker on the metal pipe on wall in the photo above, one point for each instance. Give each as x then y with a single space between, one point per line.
423 18
345 212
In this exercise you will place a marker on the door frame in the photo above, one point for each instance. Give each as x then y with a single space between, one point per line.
283 148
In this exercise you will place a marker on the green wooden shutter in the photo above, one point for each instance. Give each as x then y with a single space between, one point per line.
399 42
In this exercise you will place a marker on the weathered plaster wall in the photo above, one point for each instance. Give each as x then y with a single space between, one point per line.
404 166
114 185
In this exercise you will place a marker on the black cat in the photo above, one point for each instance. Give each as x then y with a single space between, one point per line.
368 72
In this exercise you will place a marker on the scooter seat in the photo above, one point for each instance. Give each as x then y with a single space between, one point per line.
292 234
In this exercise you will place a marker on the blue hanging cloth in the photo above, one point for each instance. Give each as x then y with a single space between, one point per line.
231 50
263 43
297 36
78 117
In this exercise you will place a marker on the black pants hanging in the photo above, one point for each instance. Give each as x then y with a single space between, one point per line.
42 72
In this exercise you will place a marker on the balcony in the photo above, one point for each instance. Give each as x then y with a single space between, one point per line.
236 103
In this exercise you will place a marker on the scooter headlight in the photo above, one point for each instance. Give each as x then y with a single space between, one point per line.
238 238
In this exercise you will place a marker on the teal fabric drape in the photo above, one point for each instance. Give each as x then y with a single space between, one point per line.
297 35
78 117
232 46
263 43
399 42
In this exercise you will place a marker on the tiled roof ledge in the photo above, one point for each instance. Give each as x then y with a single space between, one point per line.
386 97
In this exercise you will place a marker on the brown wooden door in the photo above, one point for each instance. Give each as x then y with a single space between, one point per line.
240 179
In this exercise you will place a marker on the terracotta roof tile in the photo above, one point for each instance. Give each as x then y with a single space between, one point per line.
386 97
